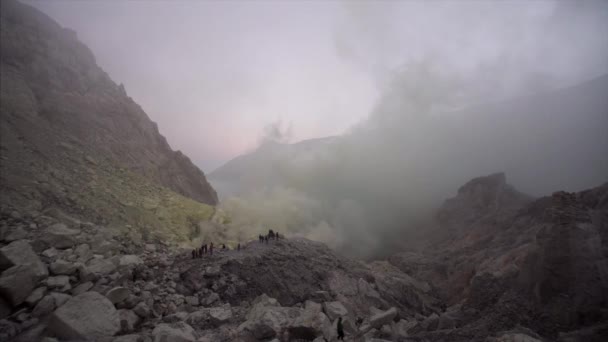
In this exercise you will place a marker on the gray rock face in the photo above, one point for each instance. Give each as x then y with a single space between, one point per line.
21 253
16 284
88 315
60 236
174 332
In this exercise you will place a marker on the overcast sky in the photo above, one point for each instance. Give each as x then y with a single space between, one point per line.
214 74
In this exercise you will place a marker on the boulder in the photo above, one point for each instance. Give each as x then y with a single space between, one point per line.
21 253
212 298
82 288
35 296
311 323
128 320
88 315
192 301
16 234
129 261
220 315
142 310
60 298
83 251
431 323
50 253
60 236
17 283
44 306
118 294
446 321
266 321
173 332
515 337
380 319
129 338
62 267
101 267
333 310
58 282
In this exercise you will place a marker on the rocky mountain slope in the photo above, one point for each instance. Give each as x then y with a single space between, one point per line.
516 269
511 260
72 139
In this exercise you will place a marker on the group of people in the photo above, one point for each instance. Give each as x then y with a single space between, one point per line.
198 253
270 236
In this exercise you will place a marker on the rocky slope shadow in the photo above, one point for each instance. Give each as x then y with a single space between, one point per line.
508 261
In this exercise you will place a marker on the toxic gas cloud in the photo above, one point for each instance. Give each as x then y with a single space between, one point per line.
441 119
418 97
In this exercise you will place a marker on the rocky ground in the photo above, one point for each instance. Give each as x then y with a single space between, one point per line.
539 277
78 281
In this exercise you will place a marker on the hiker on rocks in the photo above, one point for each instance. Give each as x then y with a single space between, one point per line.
340 329
223 246
276 236
194 253
238 247
271 234
261 238
266 239
200 253
211 248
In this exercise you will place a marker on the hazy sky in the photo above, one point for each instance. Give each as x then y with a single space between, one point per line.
214 74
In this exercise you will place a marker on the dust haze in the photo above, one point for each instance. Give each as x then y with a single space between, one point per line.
421 97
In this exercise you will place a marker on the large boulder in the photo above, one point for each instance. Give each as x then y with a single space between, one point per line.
101 267
21 253
86 316
333 310
118 294
128 320
265 320
380 319
129 261
17 283
220 315
311 323
62 267
173 332
60 236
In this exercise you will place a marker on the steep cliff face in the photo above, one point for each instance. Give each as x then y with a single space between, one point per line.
54 94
